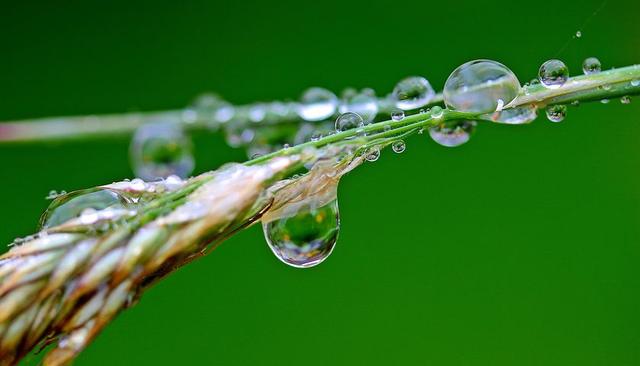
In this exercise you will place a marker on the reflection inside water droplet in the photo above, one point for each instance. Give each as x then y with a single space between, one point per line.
74 204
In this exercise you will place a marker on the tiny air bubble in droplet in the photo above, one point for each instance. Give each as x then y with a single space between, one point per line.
553 74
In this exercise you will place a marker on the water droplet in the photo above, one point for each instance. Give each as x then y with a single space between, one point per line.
453 134
372 154
553 74
257 113
365 105
348 121
397 114
591 65
224 113
515 116
578 34
635 82
74 204
305 237
556 113
398 147
317 104
477 86
604 101
625 99
436 112
159 150
413 92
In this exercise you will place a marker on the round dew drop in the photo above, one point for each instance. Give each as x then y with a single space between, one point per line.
397 115
591 65
305 237
398 147
317 104
553 74
348 121
372 154
454 134
73 204
436 112
625 99
515 116
556 113
413 92
477 86
159 150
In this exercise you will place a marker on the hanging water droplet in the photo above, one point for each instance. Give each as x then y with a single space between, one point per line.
556 113
453 134
159 150
635 82
553 74
625 99
372 154
477 86
604 101
73 204
413 92
436 112
365 105
578 34
515 116
397 114
398 147
591 65
306 236
348 121
317 104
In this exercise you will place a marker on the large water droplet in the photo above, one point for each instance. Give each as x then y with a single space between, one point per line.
413 92
477 86
304 238
515 116
348 121
398 147
159 150
364 104
372 154
317 104
452 134
556 113
591 65
74 204
553 74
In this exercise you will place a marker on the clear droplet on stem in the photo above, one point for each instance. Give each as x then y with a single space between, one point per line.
625 99
159 150
556 113
372 154
317 104
553 74
452 134
74 204
477 86
305 237
364 104
413 92
591 65
398 147
397 114
348 121
515 116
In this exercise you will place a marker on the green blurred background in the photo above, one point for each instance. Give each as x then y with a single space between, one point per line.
520 247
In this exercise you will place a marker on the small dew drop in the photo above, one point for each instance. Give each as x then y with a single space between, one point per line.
625 99
397 114
556 113
372 154
398 147
591 65
635 82
578 34
553 74
453 134
413 92
317 104
437 112
306 236
604 101
348 121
